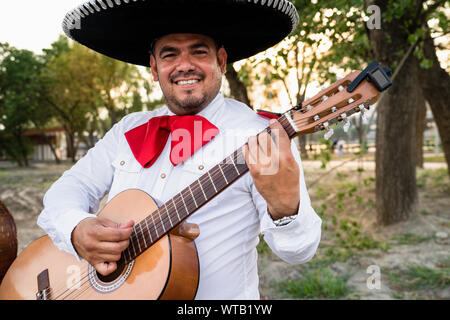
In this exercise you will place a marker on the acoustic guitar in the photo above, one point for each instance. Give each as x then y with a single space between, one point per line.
161 262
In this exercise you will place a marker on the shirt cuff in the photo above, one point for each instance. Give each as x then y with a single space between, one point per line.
67 223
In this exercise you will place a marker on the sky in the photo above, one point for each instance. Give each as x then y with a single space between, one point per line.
33 24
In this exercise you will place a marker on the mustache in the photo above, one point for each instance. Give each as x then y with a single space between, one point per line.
184 75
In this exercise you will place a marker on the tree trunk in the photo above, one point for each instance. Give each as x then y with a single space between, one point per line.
237 89
435 83
71 148
421 122
396 191
22 152
52 148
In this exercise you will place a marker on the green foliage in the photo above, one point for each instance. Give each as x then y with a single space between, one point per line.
435 178
318 284
325 154
21 103
420 277
410 238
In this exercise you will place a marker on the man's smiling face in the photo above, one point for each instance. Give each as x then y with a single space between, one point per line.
189 69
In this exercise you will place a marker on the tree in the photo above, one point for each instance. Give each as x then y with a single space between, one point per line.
70 90
435 83
118 84
397 130
238 88
20 101
399 42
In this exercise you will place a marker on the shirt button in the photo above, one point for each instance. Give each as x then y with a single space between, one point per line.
122 163
201 167
163 175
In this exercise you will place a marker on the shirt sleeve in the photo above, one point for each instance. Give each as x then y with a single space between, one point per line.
297 241
76 195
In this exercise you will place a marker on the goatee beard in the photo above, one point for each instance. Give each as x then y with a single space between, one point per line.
190 104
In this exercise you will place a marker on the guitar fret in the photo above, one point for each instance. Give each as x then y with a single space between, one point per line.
143 235
132 245
219 179
203 191
162 222
137 238
170 219
212 181
154 224
181 195
230 172
234 165
220 167
193 197
176 210
148 230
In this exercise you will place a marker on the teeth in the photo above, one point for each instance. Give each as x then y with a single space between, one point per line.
183 82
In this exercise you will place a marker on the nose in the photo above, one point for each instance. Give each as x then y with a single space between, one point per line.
185 63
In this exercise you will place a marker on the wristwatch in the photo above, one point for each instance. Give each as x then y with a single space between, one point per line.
285 220
282 221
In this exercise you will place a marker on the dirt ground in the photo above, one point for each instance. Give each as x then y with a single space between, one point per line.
353 245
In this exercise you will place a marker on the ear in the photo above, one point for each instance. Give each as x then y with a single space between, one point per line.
153 68
222 57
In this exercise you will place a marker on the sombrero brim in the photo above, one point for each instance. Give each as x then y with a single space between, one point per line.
125 29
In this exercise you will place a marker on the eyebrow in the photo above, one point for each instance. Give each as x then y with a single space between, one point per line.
194 46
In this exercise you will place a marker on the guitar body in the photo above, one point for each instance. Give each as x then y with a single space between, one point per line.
169 269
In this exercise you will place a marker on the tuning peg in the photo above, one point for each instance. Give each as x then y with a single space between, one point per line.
340 88
364 118
346 125
329 132
363 114
344 118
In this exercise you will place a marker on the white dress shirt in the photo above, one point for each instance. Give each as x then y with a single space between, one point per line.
229 224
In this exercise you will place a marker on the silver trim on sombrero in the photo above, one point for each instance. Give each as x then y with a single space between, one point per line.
73 17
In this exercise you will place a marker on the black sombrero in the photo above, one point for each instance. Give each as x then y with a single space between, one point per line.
125 29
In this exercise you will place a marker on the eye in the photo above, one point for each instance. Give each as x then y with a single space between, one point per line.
200 52
168 55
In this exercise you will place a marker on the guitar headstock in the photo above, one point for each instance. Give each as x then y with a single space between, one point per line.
354 93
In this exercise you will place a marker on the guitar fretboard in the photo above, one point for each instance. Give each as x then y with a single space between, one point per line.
190 199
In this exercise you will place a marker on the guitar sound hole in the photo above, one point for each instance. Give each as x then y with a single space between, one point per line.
113 276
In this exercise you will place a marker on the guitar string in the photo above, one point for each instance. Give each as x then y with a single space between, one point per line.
159 224
190 202
187 202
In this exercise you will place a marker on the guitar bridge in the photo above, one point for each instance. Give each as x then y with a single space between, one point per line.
43 286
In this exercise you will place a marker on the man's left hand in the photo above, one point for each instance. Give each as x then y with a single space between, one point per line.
274 170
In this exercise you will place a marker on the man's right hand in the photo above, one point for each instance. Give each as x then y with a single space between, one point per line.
101 241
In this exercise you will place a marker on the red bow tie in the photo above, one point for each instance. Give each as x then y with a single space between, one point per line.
189 133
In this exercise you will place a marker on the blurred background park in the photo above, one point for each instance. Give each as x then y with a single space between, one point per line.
382 188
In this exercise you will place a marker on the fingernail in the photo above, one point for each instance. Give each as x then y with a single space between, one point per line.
272 121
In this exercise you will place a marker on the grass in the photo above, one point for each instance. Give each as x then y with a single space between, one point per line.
417 277
317 284
434 178
434 159
410 238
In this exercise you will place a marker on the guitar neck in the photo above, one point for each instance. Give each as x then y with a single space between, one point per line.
190 199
